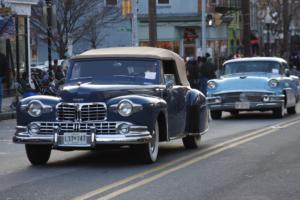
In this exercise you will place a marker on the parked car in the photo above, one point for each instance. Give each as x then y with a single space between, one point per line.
259 83
122 96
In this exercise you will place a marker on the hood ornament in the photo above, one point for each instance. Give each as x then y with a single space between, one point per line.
79 83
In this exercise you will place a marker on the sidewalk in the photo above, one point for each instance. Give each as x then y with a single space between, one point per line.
7 112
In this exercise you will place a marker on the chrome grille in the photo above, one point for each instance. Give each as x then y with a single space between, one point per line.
242 96
66 112
104 128
93 112
81 112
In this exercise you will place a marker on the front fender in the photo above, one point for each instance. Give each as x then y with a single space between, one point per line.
197 113
151 109
23 118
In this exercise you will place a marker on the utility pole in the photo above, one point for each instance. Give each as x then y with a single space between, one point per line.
246 27
134 31
49 35
152 23
203 26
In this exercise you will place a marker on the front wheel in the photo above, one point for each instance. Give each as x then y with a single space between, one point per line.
38 154
148 153
192 141
279 112
216 114
291 110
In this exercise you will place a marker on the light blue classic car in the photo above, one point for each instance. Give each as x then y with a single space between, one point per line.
254 84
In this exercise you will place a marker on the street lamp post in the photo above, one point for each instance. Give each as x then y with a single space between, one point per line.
292 35
268 22
49 35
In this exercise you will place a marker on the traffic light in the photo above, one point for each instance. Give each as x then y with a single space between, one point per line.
126 8
209 20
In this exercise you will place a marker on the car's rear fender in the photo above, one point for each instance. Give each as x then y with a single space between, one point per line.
197 113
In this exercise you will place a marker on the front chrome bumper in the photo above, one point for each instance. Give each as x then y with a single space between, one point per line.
134 135
270 102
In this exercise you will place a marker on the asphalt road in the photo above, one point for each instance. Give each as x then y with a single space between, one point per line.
249 157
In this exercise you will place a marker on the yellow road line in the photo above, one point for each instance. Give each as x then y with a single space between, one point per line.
215 149
176 168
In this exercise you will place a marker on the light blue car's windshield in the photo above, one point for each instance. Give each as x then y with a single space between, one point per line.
251 66
115 71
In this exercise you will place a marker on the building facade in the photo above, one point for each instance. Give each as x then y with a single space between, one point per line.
179 27
15 37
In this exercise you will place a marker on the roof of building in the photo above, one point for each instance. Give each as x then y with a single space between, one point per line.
139 52
275 59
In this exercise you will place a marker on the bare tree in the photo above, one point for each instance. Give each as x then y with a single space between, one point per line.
103 17
75 19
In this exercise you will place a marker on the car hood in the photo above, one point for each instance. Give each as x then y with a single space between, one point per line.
244 82
89 92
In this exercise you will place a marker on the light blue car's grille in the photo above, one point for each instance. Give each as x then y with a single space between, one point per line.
242 96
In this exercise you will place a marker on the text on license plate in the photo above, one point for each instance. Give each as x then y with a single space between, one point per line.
242 105
75 138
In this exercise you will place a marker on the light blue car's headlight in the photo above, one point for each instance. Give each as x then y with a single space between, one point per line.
273 83
211 84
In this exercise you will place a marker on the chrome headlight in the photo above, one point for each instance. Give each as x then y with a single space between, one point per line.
273 83
35 108
125 108
211 84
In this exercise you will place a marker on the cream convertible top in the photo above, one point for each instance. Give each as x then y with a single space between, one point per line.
139 52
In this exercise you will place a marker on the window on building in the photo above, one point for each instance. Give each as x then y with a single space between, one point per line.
111 2
163 2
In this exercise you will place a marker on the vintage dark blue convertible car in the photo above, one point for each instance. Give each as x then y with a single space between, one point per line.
118 96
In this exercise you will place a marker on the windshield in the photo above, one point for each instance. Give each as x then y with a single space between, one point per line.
252 66
115 71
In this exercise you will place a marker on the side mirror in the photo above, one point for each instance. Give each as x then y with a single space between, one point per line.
169 80
169 85
287 72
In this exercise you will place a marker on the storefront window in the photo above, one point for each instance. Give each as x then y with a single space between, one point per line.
171 45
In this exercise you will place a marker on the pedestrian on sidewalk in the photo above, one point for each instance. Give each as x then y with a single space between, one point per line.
207 73
193 72
58 72
3 72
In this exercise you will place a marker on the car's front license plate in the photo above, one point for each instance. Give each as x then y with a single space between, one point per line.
242 105
75 139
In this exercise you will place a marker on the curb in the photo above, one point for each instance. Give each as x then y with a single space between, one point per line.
7 115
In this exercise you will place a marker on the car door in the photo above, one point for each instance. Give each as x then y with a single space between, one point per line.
175 96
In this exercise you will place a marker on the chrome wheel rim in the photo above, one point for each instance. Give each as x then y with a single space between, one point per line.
153 143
